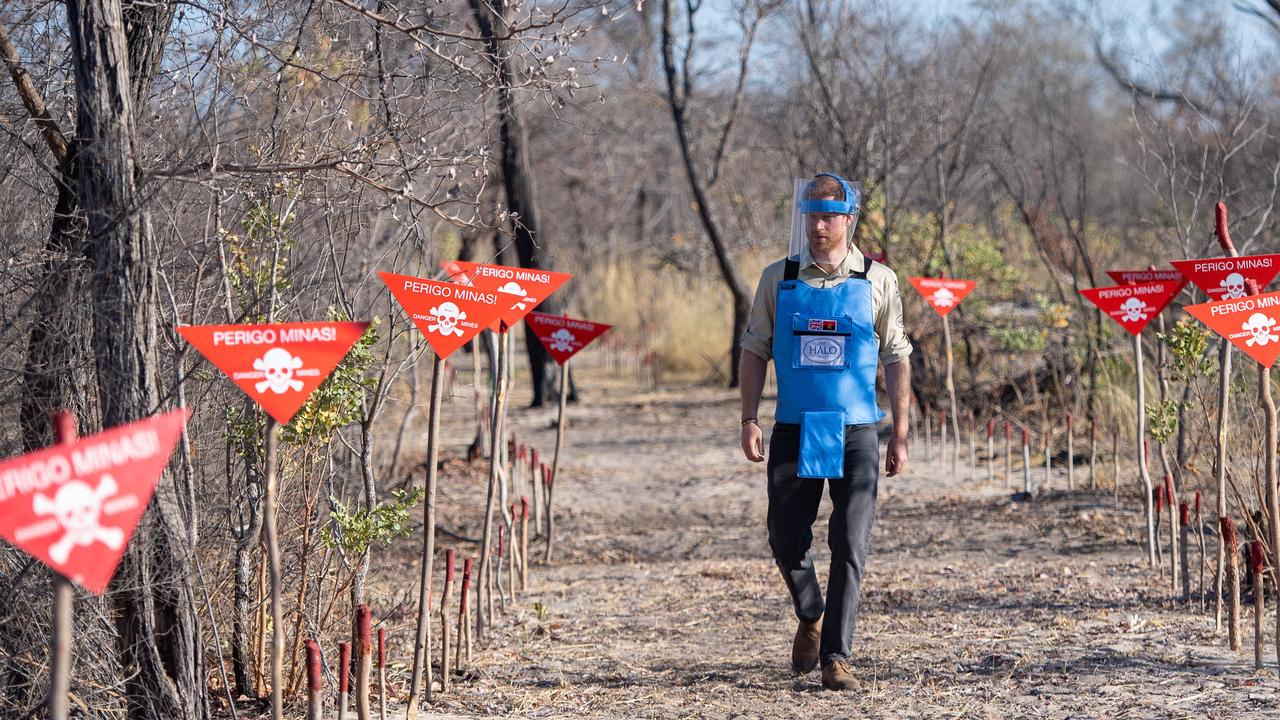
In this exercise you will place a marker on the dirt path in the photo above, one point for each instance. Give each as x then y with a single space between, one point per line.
663 601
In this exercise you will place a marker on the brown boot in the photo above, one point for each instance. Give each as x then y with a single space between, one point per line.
804 649
838 675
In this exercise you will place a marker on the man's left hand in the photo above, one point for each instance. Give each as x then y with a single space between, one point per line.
895 459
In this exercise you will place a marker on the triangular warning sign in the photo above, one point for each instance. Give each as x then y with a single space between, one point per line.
1227 278
943 294
1251 323
1133 277
74 506
448 314
562 336
1133 306
527 286
279 365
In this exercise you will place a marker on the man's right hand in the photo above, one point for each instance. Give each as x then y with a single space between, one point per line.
753 442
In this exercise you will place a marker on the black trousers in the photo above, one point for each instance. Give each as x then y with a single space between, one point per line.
793 506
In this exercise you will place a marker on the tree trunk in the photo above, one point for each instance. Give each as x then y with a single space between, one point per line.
152 590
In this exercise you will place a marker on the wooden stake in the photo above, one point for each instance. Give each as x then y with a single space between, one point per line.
1141 431
1008 454
1233 582
510 556
942 441
315 682
364 661
549 489
1026 463
272 539
1048 456
1071 456
1093 454
1220 442
991 451
524 544
928 430
1273 484
973 451
1201 544
1115 466
62 637
561 420
484 599
1259 602
422 637
464 616
1175 576
1184 532
445 621
344 678
951 393
382 674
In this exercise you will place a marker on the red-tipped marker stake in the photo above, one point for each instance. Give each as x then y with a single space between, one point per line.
1220 442
1175 576
315 682
445 634
524 543
344 678
1233 582
1184 530
382 673
1026 463
1259 601
464 615
364 660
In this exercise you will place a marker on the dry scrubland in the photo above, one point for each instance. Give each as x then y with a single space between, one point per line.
663 602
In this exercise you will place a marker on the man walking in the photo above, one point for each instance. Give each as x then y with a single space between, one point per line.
826 317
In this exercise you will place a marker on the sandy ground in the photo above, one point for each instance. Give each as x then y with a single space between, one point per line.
663 602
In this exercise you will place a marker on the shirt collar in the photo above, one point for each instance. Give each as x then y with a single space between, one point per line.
853 261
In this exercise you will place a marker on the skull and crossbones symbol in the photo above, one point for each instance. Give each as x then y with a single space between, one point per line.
943 297
278 367
1134 310
446 316
562 340
78 508
1259 327
1233 286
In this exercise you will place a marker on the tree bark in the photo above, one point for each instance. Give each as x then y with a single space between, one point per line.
152 590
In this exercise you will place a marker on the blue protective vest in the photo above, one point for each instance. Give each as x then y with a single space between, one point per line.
825 354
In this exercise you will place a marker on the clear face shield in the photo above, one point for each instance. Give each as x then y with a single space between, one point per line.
812 212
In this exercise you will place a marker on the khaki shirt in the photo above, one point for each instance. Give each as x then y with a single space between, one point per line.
886 304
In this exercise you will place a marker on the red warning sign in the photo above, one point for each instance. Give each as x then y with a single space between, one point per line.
1227 278
1134 277
527 286
563 337
1251 323
448 314
74 506
1133 306
943 294
280 365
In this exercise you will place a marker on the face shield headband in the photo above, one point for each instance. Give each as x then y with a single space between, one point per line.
849 206
801 206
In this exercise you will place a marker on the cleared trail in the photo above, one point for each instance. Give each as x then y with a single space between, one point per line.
663 601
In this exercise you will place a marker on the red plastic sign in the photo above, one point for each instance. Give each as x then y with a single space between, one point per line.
943 294
280 365
1135 277
1227 278
1133 306
448 314
74 506
528 287
563 337
1251 323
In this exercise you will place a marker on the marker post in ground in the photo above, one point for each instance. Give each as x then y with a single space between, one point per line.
991 451
1184 527
1259 602
563 337
1093 453
1252 323
1228 278
1071 455
1008 454
529 287
944 295
315 682
449 315
1132 307
97 490
278 366
1026 463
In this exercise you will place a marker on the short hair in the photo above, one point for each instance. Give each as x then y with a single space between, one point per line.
825 186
